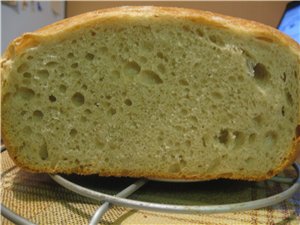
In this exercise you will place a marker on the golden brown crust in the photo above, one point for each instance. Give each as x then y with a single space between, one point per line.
65 27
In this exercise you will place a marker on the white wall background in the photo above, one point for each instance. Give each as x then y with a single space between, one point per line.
26 17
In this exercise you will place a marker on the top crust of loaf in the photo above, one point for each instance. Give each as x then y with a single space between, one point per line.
64 28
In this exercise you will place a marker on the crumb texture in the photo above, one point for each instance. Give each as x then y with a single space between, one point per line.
154 98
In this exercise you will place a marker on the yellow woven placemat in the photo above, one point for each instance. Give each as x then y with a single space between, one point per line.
38 198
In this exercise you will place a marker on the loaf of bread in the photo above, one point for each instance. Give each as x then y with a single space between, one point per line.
152 92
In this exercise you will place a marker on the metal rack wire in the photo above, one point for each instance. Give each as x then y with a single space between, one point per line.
121 199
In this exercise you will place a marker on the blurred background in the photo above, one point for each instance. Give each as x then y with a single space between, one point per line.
18 17
266 12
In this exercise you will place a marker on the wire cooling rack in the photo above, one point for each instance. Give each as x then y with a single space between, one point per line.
121 199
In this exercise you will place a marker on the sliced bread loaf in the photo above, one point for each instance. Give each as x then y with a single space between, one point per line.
152 92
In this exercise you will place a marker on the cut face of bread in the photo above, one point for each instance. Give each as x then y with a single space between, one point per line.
152 92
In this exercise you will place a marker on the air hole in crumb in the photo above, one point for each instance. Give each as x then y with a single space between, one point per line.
162 56
77 99
70 55
193 119
184 111
258 119
194 127
27 75
74 65
51 64
84 87
43 151
128 102
249 160
188 143
179 128
240 78
216 39
182 162
132 69
22 68
29 57
73 132
160 139
261 73
25 93
217 95
93 33
149 77
62 88
113 146
112 111
183 82
38 115
223 136
200 32
282 111
289 98
87 111
283 77
52 98
252 138
89 56
186 28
